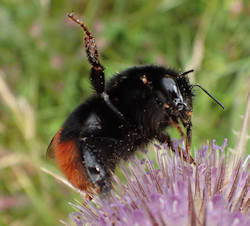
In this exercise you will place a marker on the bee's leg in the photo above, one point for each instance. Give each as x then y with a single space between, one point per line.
188 137
176 124
97 70
188 125
100 155
96 172
97 78
165 138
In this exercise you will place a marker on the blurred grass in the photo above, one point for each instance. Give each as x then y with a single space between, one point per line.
44 75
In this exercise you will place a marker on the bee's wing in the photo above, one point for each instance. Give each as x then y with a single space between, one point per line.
53 143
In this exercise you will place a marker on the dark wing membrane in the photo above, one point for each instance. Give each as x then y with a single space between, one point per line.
51 148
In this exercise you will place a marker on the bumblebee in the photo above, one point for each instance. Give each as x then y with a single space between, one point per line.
133 109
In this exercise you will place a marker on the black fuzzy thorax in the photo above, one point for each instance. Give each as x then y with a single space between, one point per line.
111 137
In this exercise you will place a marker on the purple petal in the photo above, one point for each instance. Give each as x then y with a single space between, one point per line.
173 192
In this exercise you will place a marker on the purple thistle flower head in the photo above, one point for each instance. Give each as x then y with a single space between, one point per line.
175 192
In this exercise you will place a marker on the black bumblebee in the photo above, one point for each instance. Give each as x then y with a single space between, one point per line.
134 108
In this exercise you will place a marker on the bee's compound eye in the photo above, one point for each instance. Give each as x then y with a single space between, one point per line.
172 93
168 85
170 88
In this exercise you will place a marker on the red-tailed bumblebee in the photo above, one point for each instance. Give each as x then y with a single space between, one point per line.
134 108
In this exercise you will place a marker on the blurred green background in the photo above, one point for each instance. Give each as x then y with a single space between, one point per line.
44 76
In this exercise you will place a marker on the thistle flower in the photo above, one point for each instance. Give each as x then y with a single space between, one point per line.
170 191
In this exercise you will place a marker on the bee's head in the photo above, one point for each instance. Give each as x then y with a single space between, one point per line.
170 95
174 95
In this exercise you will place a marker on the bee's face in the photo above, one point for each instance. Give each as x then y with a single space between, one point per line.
171 96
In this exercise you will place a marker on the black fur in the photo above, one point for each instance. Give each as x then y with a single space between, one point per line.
107 137
134 108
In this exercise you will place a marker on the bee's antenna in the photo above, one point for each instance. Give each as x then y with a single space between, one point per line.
210 95
186 72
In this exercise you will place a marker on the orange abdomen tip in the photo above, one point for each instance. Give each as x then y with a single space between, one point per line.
69 160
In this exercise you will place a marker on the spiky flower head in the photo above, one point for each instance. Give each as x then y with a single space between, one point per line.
170 191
